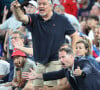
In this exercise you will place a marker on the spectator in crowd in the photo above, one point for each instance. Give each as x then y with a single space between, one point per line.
30 7
18 42
21 64
96 10
84 11
48 35
92 22
63 84
82 75
16 37
96 44
83 49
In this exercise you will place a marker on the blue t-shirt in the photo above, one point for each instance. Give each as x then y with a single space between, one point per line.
48 36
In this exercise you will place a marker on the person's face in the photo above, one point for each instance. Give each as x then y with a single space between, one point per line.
94 11
16 39
58 10
97 33
80 49
30 9
19 61
44 7
92 23
66 60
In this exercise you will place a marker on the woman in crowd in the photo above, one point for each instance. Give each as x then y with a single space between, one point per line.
83 49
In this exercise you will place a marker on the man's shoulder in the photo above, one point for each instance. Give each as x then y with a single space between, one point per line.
60 15
81 59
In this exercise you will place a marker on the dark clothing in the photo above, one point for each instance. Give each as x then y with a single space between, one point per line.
85 12
11 70
90 82
92 60
48 36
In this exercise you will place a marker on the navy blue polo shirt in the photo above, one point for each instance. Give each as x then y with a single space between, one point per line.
48 36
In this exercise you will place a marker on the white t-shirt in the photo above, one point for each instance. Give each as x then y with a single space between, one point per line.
4 67
74 21
91 35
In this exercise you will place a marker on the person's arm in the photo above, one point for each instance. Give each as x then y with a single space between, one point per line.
27 50
54 75
75 38
84 68
20 46
19 14
5 14
6 41
46 76
31 75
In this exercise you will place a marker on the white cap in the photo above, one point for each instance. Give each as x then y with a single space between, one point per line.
97 4
34 3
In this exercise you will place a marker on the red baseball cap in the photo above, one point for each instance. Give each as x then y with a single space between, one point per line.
17 52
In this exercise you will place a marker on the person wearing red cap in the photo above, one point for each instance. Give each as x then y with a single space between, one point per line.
21 64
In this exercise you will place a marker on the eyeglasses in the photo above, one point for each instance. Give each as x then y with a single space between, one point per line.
14 37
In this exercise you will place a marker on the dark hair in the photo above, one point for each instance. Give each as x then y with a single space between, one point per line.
96 18
65 44
68 50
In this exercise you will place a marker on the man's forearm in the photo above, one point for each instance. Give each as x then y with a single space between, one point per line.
26 50
19 14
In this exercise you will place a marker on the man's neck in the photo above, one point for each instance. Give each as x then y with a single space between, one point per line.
47 17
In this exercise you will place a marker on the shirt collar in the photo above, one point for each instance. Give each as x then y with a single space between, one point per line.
52 17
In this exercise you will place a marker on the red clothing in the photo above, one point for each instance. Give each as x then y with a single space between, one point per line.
70 6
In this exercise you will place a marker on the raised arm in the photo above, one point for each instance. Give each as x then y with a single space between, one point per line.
19 14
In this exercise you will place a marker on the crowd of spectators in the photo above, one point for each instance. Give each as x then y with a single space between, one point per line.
16 41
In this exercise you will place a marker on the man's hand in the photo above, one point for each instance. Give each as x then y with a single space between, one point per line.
31 75
78 71
15 4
